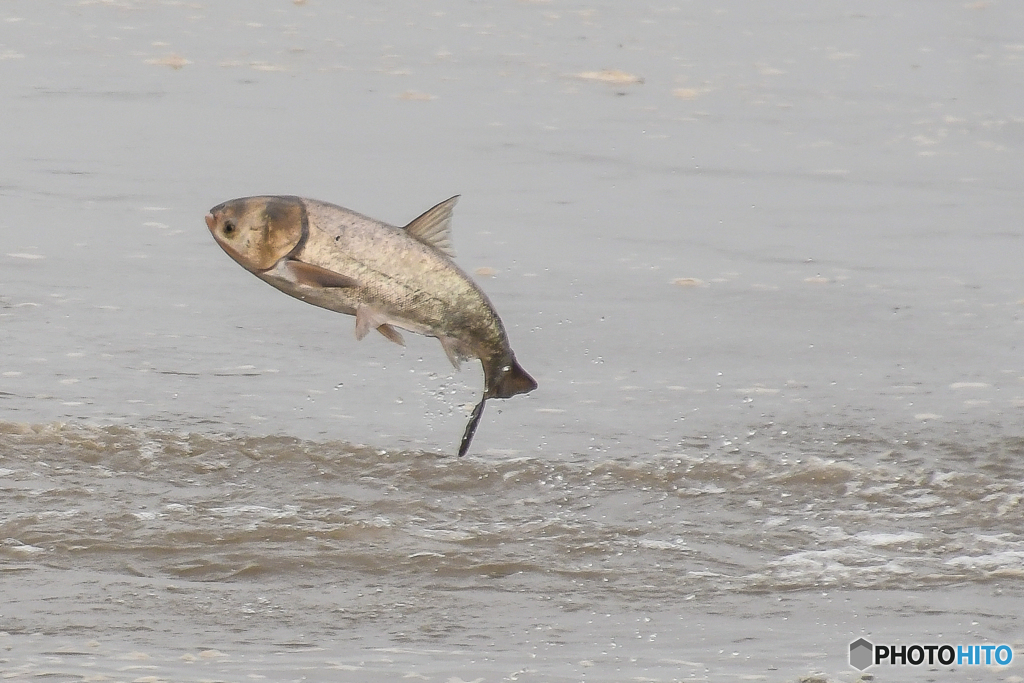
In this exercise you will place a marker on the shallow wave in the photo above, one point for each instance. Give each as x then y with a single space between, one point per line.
772 510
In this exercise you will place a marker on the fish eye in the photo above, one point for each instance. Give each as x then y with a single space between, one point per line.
229 227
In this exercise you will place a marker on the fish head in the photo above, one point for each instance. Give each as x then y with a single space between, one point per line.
257 232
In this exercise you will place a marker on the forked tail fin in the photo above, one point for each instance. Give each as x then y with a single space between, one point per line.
503 379
507 380
474 420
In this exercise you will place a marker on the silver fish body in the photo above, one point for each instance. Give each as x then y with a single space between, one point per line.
385 276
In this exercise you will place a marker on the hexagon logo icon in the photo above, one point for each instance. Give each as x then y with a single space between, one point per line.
861 654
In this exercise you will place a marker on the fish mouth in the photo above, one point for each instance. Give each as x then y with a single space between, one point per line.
211 222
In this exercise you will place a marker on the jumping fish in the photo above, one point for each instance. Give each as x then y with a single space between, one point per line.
385 276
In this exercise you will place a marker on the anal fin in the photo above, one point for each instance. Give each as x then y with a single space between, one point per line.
456 350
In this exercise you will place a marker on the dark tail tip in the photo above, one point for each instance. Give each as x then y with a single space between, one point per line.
474 420
510 382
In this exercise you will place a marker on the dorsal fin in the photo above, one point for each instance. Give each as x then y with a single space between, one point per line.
434 227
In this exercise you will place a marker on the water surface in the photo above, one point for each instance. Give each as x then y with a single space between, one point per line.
763 262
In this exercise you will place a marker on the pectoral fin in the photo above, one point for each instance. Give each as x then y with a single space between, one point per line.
315 276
